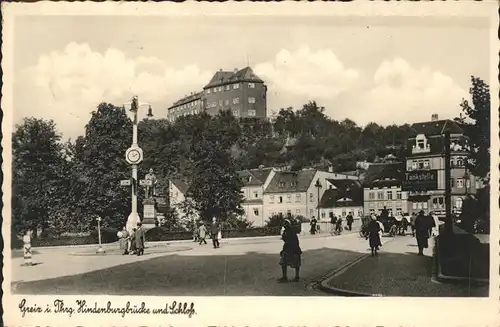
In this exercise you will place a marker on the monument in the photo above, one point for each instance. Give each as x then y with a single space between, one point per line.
149 213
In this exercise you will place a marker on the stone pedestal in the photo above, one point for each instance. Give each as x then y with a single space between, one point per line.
149 214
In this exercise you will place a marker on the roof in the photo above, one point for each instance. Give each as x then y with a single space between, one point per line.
436 144
224 77
291 181
347 193
384 174
437 127
187 99
255 177
180 184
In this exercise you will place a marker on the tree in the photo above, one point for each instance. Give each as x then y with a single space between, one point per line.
101 165
478 130
40 182
215 184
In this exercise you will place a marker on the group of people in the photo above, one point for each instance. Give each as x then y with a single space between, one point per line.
421 226
132 242
215 233
335 221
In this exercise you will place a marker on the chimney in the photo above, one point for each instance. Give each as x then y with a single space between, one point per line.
220 70
435 117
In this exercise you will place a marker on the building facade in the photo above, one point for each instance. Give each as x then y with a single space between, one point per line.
189 105
177 190
240 91
255 181
297 192
382 187
425 167
343 197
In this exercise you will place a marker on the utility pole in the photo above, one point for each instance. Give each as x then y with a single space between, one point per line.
448 224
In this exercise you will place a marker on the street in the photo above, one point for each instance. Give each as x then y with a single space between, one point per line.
239 267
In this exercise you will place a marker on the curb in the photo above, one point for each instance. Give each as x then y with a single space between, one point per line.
323 285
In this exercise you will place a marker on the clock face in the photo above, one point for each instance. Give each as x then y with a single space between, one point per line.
134 155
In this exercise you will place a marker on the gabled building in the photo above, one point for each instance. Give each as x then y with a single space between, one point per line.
177 189
343 197
297 192
241 91
382 187
425 167
255 181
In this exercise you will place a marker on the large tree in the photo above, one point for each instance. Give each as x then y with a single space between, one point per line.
101 165
41 175
478 128
215 186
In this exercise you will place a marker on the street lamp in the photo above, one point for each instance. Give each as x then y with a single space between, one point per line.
134 157
100 250
318 185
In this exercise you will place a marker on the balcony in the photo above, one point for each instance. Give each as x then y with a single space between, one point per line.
421 149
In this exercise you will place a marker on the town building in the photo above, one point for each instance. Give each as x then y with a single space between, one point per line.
240 91
189 105
297 192
382 187
177 189
255 181
425 167
343 197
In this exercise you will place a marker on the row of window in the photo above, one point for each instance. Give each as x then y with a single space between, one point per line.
437 203
236 100
399 211
344 213
228 87
385 195
298 198
187 105
425 164
387 204
250 113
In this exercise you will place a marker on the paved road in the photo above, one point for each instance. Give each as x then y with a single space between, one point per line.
238 268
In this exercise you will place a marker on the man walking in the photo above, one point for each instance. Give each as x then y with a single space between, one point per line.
349 220
202 233
215 229
140 239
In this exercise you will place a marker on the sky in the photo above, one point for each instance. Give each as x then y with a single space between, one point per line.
384 70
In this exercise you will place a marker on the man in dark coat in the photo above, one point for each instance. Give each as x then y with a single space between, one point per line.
423 226
140 239
314 222
214 233
290 255
349 220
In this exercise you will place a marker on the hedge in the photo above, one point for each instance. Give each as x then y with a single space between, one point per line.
163 234
152 235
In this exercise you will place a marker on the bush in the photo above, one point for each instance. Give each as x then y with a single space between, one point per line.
108 235
162 234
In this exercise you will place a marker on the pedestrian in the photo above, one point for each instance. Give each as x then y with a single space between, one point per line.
423 226
133 248
338 225
349 220
291 253
374 235
412 223
313 224
124 237
140 239
215 229
202 233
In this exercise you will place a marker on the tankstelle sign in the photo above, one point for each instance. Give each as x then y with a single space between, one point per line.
420 180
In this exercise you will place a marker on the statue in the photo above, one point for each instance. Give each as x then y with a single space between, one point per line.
151 190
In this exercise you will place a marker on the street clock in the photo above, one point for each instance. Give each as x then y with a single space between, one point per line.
134 155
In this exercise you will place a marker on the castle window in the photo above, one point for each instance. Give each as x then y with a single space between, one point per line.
251 100
236 86
251 85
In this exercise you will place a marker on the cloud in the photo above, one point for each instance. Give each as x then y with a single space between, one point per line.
401 93
302 75
67 85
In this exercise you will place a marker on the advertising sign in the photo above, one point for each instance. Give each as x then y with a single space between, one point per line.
421 180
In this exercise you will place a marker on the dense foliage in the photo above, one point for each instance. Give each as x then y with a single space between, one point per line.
65 186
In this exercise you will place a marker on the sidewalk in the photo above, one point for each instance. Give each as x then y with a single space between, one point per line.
397 271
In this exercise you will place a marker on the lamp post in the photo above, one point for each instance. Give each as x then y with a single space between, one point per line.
318 186
134 157
100 250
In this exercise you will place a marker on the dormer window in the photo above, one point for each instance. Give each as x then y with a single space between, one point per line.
421 144
281 184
